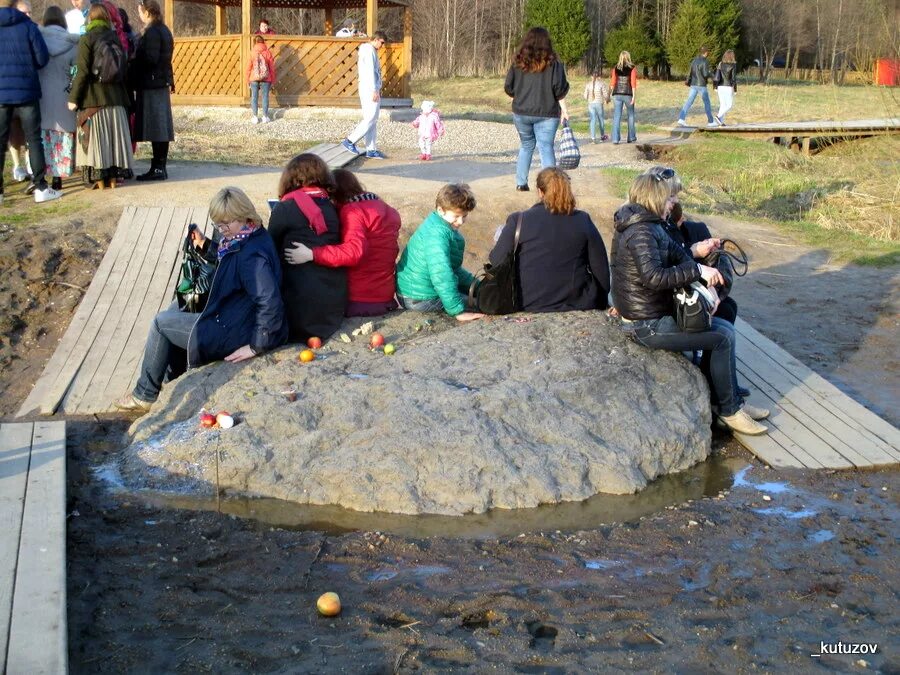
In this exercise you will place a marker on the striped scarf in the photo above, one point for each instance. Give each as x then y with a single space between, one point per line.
226 244
364 197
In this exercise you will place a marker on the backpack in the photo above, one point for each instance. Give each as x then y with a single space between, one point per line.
109 62
259 71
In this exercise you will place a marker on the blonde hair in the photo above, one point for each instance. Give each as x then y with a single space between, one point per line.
651 192
230 204
557 191
728 57
456 197
624 60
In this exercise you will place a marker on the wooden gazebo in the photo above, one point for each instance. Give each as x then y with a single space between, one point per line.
311 70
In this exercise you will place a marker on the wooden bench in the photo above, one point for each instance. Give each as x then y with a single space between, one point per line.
33 548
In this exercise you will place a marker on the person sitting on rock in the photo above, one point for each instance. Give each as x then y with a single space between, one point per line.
430 275
368 248
696 240
562 261
647 265
315 296
244 315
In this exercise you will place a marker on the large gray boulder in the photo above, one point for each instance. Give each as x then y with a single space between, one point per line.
501 413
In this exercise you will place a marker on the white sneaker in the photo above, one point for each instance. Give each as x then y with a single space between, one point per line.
754 412
681 123
714 123
266 119
254 120
46 195
19 174
742 423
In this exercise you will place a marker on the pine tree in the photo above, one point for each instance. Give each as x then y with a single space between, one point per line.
637 37
689 32
723 26
567 22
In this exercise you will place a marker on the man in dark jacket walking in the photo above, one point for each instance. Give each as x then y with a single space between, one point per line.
22 53
697 80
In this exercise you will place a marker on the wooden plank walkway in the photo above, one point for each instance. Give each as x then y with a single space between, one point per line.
798 135
334 154
99 355
813 423
33 548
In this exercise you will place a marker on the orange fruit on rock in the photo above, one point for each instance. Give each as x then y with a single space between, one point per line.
307 355
329 604
314 343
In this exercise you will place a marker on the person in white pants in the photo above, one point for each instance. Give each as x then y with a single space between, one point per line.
725 80
369 69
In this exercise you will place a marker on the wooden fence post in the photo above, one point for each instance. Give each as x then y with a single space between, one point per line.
371 17
407 51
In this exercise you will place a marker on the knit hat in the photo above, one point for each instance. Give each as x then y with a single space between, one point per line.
427 106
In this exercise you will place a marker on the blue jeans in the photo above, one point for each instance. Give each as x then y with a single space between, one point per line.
690 101
165 354
30 116
533 131
255 89
620 100
717 363
595 110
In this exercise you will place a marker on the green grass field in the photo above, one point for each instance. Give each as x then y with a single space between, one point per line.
844 198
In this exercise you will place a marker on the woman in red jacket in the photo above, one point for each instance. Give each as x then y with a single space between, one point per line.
368 248
260 78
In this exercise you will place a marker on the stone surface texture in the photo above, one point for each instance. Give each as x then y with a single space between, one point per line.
509 412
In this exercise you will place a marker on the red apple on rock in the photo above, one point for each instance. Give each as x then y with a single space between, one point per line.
376 340
314 343
207 420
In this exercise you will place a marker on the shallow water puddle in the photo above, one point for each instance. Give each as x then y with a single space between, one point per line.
820 536
787 513
706 479
740 480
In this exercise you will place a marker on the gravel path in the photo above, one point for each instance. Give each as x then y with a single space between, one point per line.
469 138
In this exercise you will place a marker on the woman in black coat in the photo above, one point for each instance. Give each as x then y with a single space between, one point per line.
315 297
562 261
647 267
153 81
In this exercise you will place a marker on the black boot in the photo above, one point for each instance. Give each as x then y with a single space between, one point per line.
155 173
56 183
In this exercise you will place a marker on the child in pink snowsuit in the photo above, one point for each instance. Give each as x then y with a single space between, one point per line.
430 127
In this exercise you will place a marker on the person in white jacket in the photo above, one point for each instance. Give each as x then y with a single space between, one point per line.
369 68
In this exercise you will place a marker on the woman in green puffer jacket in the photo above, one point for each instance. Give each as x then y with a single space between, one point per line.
430 275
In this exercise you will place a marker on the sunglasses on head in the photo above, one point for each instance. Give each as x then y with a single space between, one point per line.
663 174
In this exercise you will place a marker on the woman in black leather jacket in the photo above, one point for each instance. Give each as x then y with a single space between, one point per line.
647 265
725 82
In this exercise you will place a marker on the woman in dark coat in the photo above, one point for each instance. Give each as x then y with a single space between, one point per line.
562 260
244 315
102 117
647 267
537 83
315 297
153 82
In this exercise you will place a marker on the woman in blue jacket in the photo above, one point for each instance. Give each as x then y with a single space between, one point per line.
244 316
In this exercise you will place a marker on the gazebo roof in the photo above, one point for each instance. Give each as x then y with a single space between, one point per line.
305 4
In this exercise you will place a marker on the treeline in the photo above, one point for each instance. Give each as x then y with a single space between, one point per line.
478 37
475 37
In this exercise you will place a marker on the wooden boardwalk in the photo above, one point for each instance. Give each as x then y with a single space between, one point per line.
798 135
33 548
813 424
98 358
334 154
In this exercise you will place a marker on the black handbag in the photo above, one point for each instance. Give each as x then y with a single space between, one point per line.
693 308
496 289
197 274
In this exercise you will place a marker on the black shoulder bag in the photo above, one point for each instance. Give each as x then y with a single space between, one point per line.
197 274
694 304
496 289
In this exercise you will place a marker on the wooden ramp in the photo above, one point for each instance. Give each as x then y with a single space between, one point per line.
334 154
813 424
98 358
33 548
